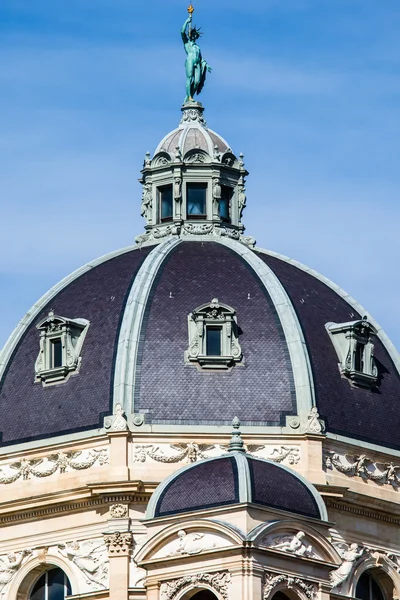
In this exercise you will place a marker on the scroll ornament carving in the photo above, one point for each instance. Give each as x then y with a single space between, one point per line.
193 452
289 454
118 542
314 424
191 543
197 228
91 559
9 565
158 233
349 554
272 580
217 581
118 420
118 511
292 544
193 114
364 467
60 462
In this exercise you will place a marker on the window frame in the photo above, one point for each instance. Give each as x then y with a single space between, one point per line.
213 315
160 191
355 350
198 185
70 334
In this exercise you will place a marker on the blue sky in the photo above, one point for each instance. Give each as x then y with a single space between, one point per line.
309 90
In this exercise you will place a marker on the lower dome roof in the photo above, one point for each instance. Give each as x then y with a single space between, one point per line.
235 479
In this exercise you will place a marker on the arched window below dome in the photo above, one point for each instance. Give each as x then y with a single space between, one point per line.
51 585
368 588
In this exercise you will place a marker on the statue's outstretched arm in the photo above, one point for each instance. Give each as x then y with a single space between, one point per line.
185 38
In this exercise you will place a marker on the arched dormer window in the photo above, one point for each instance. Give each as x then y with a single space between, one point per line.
355 349
213 336
61 341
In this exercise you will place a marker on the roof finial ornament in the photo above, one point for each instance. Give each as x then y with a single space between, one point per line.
236 444
196 66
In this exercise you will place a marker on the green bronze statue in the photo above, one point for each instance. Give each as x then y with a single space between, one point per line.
196 66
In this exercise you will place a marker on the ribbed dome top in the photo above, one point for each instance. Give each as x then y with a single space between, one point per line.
192 134
233 479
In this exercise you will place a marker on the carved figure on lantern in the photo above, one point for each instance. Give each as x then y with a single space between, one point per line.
147 202
196 66
217 193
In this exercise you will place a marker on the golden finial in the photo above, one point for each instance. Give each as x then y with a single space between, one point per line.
190 10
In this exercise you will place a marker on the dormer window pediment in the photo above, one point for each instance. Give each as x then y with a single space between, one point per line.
61 340
355 349
213 336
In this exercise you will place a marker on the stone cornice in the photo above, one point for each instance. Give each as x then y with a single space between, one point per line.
75 501
369 512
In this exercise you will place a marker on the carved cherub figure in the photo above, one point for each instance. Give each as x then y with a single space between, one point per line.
295 545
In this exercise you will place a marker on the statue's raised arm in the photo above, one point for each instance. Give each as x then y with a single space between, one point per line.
184 34
196 66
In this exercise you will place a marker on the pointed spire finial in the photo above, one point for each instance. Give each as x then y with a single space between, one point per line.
236 444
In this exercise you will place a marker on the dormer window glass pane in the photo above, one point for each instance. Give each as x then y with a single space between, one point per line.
56 354
213 341
196 200
224 203
165 195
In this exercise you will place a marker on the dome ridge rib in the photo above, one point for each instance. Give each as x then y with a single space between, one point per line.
128 342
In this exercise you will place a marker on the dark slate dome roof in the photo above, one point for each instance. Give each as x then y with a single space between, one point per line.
233 479
138 301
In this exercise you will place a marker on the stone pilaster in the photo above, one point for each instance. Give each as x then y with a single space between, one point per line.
119 546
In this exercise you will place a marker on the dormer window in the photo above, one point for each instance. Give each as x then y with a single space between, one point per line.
165 202
196 200
213 337
61 341
355 349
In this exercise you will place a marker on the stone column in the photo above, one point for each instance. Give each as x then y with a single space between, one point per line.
119 546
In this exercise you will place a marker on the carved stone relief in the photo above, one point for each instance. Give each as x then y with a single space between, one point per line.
117 422
272 580
190 543
91 559
158 233
349 554
217 581
118 542
9 565
359 465
296 544
193 452
46 466
314 423
118 511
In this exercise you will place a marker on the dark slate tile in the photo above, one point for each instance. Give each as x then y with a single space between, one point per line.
368 415
260 392
29 411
